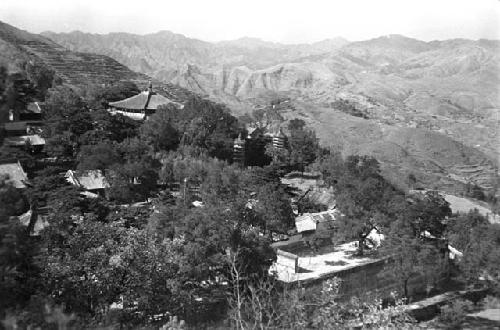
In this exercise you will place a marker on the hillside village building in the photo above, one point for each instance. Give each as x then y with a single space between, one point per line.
92 181
310 265
15 174
140 106
25 128
317 228
38 218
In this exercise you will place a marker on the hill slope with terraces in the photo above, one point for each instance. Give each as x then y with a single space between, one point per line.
17 47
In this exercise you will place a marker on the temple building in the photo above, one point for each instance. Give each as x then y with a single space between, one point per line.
278 139
140 106
239 150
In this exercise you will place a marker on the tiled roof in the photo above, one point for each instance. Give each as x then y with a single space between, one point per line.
34 140
16 174
40 223
143 101
34 107
156 100
89 180
309 221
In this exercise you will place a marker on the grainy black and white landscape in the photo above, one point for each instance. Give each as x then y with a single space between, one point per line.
160 181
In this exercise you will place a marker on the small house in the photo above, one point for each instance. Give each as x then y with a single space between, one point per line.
33 111
15 174
92 181
22 133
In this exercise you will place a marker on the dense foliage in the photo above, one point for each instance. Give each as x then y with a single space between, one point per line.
183 231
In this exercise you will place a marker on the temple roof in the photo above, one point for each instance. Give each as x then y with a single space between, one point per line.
34 107
33 140
310 221
146 100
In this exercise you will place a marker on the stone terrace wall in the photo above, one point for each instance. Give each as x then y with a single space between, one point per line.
367 279
287 260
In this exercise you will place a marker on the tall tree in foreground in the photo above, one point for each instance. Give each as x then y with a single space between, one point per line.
412 257
479 241
159 132
303 143
366 200
18 273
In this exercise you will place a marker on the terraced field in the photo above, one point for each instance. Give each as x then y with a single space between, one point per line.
76 68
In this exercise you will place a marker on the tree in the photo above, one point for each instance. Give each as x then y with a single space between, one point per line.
12 202
66 119
255 153
475 191
411 256
98 96
304 147
279 156
136 178
108 127
132 181
18 273
220 183
296 124
366 200
20 154
273 208
205 124
152 280
41 77
15 92
159 132
98 157
265 117
79 273
479 241
349 108
460 226
427 213
63 102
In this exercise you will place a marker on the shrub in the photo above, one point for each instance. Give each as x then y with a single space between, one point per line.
490 302
454 314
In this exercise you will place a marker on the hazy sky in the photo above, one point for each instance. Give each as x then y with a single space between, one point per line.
288 21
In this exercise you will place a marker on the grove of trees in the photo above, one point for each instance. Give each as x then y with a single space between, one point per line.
123 263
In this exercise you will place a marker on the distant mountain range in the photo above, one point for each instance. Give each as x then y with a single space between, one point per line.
431 105
429 108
